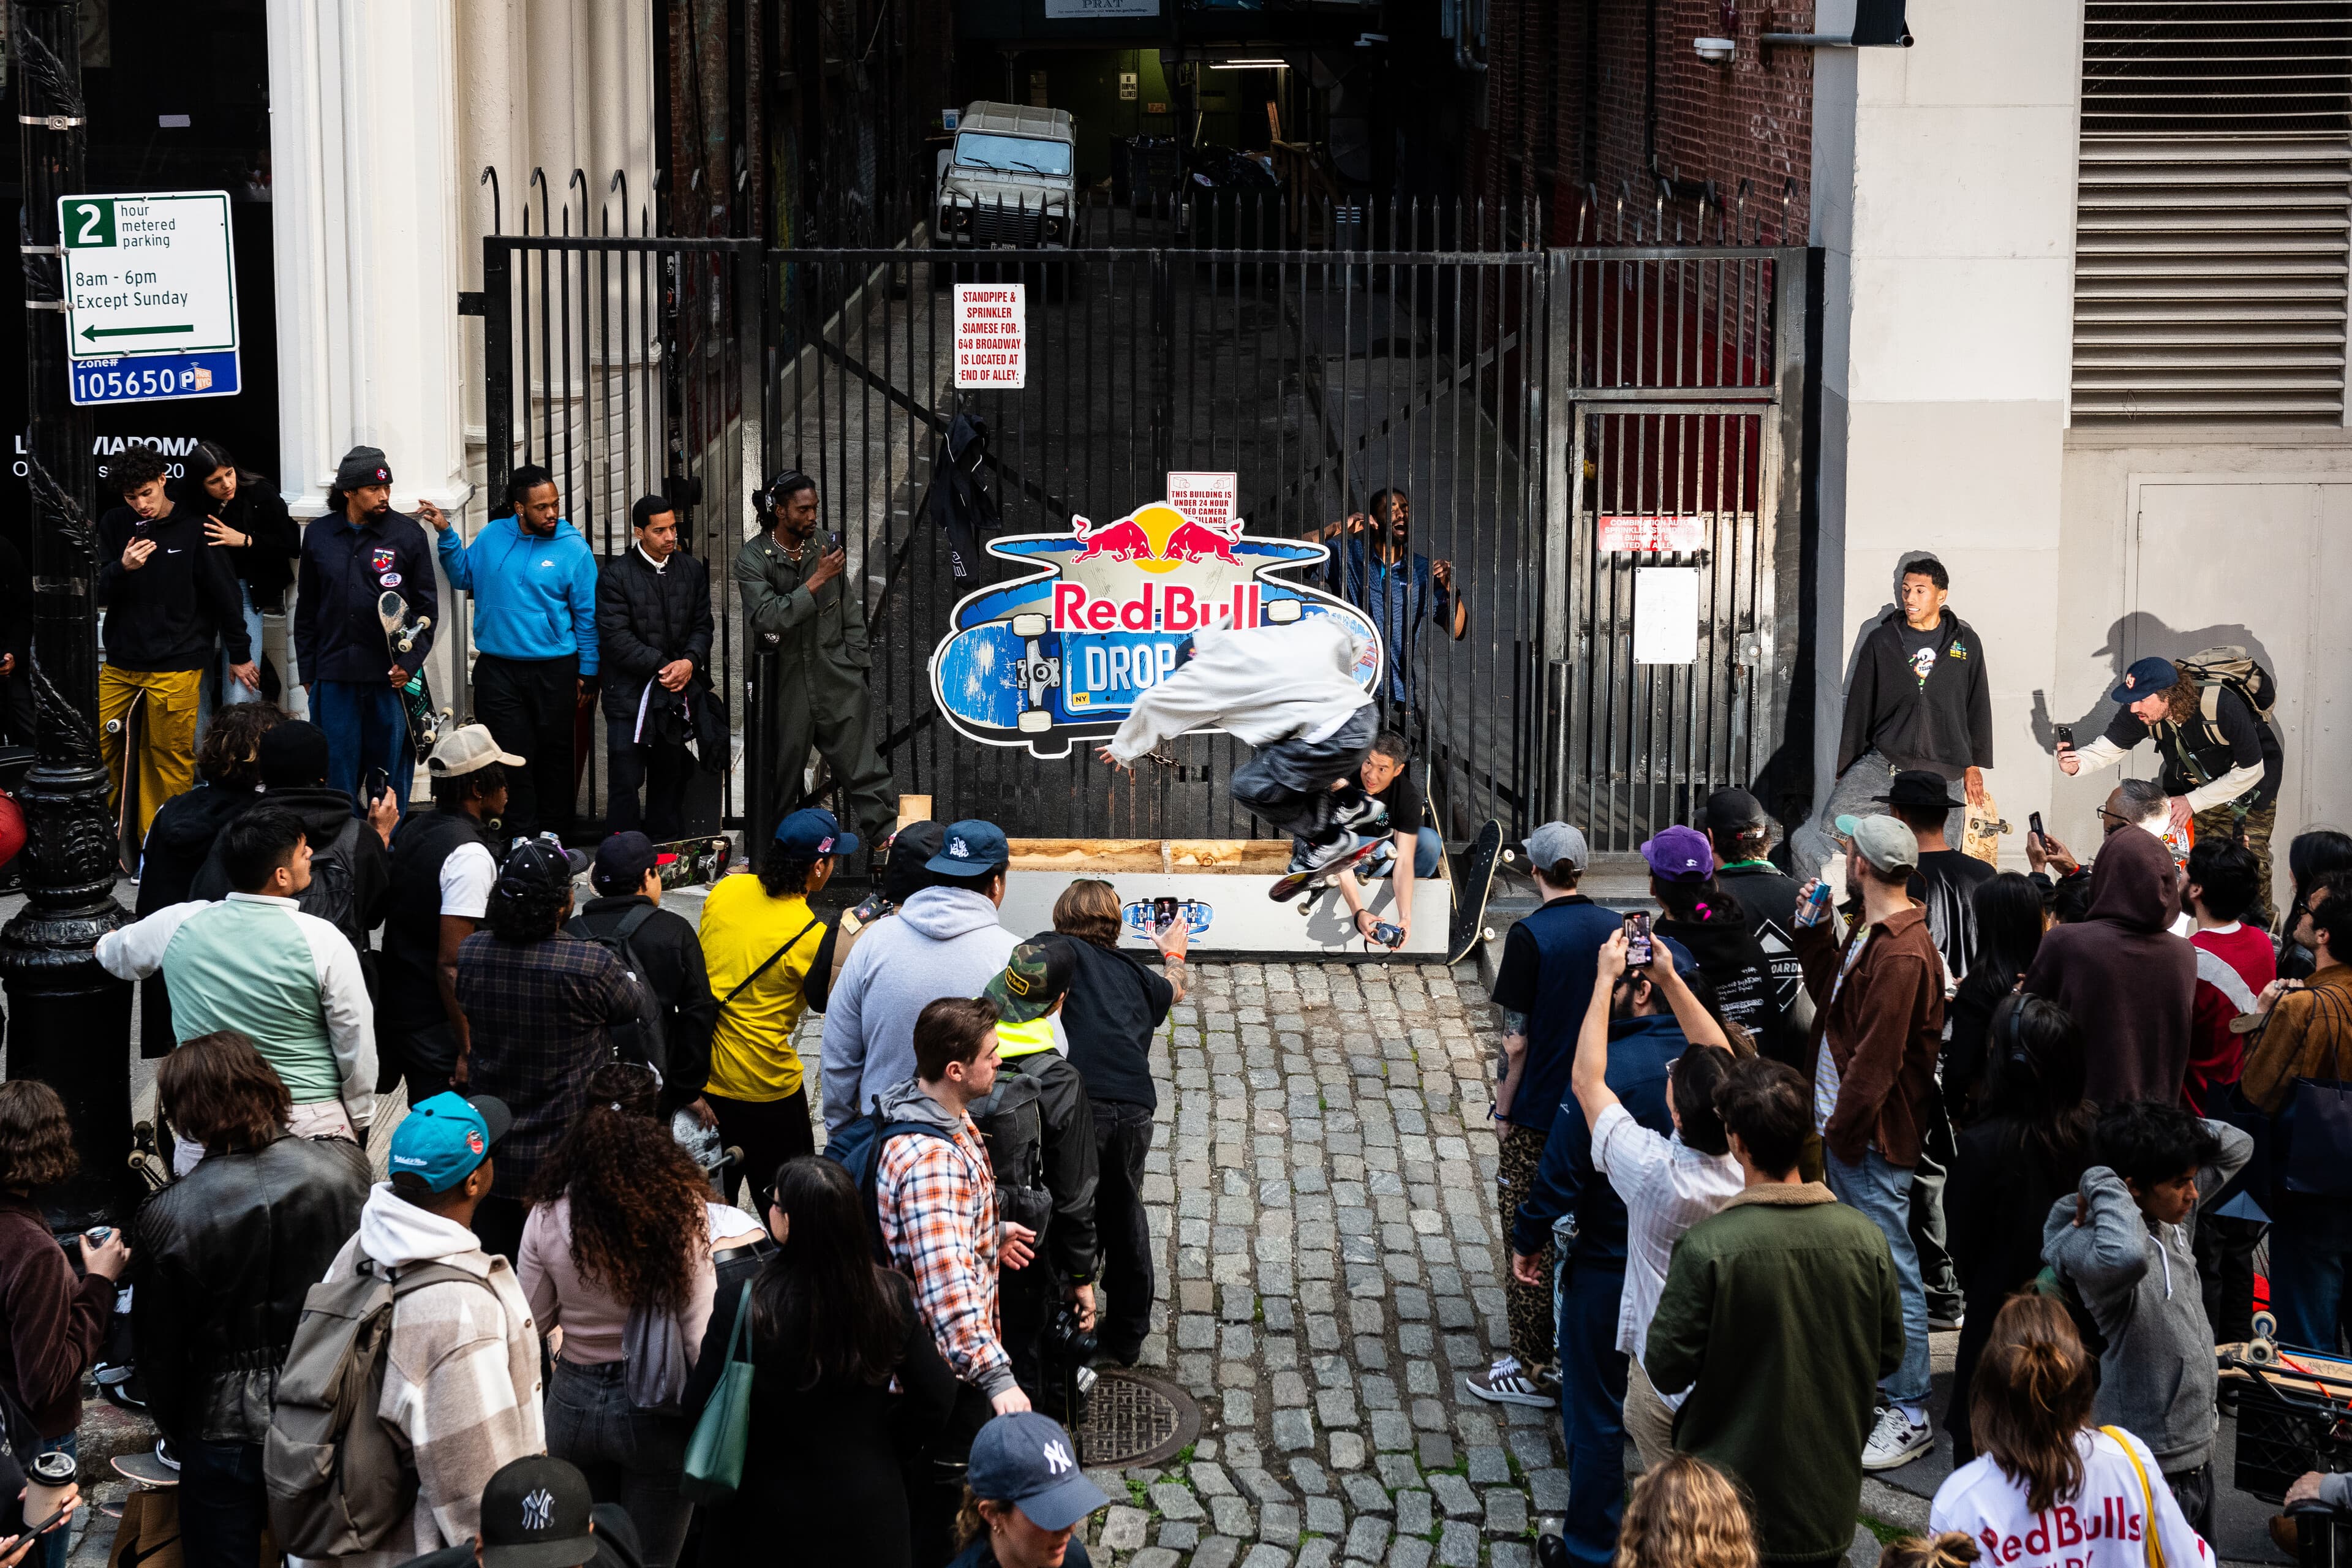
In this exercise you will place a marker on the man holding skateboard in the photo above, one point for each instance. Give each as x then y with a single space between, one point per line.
533 579
351 557
166 595
1290 692
1920 699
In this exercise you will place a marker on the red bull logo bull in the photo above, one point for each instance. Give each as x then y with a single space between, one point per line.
1191 541
1122 541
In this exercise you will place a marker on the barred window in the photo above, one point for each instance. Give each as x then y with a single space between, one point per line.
2213 214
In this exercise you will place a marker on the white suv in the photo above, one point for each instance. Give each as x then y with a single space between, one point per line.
1010 180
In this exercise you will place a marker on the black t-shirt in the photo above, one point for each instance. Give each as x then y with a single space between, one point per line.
1768 895
1919 648
2245 741
1116 1005
1403 798
1944 882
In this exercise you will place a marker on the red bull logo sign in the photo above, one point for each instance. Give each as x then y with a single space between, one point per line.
1062 653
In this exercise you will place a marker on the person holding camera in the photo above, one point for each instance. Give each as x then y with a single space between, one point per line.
1040 1129
795 589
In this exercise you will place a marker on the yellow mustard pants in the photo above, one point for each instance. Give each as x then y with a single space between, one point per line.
167 750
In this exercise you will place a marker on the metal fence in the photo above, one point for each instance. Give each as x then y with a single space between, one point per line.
1519 398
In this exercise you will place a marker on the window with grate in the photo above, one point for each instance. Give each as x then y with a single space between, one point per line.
2213 211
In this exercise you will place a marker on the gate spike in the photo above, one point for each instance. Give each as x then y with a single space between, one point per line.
491 178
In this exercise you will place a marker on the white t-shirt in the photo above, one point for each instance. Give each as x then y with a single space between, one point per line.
466 878
2105 1526
726 1220
1668 1187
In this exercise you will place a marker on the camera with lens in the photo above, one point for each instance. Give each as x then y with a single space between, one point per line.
1066 1343
1065 1348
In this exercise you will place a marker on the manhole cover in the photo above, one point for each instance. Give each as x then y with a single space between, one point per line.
1135 1419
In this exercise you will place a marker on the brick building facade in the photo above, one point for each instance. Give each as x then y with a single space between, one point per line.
1612 95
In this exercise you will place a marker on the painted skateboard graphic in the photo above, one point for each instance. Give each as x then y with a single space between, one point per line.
426 727
131 731
1474 880
1980 831
683 861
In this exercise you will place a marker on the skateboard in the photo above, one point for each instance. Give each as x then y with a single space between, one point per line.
684 860
426 727
1299 882
132 729
146 1470
1474 880
1980 830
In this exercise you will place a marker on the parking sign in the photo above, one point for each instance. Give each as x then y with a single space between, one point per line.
151 296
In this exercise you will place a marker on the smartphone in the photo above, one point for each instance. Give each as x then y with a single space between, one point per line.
1637 940
378 781
2065 736
831 541
1163 916
2033 826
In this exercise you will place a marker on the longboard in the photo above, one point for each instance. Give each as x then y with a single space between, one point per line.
132 729
426 726
1474 880
1981 829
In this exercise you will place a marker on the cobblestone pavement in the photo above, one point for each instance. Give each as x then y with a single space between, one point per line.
1323 1181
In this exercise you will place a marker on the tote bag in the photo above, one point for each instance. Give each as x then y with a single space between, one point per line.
714 1456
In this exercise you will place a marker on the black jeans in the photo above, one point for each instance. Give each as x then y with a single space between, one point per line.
662 771
530 706
1122 1139
1288 782
424 1058
768 1132
222 1505
1938 1153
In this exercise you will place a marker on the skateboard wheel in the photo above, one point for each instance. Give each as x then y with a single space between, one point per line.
1030 625
114 726
1486 934
1510 858
1306 906
2266 1325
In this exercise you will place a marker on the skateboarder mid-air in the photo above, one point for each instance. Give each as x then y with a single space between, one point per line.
1290 692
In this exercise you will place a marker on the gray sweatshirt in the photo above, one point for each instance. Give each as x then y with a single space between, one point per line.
2158 1378
943 941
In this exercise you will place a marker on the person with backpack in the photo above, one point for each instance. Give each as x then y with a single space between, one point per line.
661 949
351 864
2209 716
760 938
452 1385
255 964
1040 1130
543 1010
227 1256
616 1253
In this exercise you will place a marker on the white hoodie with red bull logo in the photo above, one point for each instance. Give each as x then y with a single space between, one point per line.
1261 683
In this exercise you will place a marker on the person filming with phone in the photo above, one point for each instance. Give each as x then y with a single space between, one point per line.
796 589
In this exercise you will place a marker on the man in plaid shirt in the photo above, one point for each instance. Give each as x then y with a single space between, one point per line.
936 1194
541 1009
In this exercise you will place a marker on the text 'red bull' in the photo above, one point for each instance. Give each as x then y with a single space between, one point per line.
1155 608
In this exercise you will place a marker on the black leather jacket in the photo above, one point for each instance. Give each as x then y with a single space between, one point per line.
225 1256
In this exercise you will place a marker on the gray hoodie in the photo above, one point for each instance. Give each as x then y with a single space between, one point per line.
943 941
2156 1378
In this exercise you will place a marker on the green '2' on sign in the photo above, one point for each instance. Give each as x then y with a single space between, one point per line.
89 223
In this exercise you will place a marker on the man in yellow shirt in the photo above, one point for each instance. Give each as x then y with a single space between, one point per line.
759 938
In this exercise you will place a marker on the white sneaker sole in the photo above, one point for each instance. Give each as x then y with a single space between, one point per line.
1926 1444
1501 1397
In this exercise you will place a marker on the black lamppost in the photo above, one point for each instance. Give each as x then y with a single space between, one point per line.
68 1021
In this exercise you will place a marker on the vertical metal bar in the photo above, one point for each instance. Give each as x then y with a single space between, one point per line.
1556 490
498 363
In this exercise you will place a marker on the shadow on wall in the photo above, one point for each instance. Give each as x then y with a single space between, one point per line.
2136 635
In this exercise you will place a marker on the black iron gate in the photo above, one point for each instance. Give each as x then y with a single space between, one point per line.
1534 405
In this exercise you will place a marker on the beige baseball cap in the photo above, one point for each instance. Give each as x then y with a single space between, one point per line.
466 750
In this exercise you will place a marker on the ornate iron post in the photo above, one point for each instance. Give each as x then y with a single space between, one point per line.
68 1021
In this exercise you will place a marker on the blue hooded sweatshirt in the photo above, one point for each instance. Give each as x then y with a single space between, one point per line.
533 598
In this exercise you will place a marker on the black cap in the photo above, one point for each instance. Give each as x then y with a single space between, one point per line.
622 862
1734 811
535 1514
1917 786
541 862
292 755
910 847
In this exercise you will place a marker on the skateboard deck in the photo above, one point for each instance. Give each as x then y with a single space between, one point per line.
426 727
682 861
145 1470
1474 878
1981 829
1298 882
132 730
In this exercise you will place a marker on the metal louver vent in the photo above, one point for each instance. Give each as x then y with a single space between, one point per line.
2213 211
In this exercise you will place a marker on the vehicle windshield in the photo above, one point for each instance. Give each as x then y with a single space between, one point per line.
1012 154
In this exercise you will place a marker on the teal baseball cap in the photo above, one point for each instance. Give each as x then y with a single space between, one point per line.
443 1139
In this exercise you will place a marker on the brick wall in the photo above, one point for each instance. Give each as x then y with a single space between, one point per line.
1570 103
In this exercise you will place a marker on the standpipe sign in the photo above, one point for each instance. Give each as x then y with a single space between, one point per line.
151 296
1064 654
991 337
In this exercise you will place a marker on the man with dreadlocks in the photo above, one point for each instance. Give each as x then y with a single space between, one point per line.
2221 758
795 590
541 1006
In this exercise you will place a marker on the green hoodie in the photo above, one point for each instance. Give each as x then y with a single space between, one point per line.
1781 1314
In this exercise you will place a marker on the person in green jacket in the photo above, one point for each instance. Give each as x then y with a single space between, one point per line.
795 590
1781 1314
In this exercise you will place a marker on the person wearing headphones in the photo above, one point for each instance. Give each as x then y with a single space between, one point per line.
795 590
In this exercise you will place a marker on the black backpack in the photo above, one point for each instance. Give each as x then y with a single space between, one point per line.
646 1040
856 1147
333 894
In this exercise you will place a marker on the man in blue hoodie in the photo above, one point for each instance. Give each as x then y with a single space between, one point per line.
533 579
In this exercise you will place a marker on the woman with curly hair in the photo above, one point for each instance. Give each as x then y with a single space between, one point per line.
2043 1473
1685 1513
839 1350
616 1256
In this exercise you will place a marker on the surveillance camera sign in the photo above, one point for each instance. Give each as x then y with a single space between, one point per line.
151 296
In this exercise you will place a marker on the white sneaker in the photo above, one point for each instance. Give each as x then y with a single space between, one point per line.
1508 1383
1895 1441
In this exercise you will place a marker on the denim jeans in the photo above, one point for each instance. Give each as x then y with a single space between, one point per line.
367 727
222 1505
1425 848
54 1544
1883 1192
1592 1402
2310 1238
630 1456
220 687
